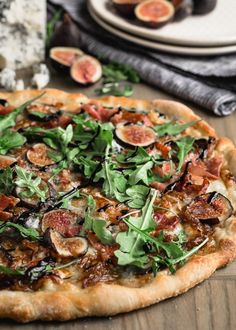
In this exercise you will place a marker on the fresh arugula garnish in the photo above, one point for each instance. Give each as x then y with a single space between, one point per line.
113 75
30 184
184 145
115 72
114 184
138 157
6 181
172 128
136 196
9 120
88 217
142 173
99 228
132 243
29 233
9 140
87 165
115 89
131 251
10 271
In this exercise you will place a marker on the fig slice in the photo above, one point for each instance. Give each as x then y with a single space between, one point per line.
155 13
38 156
86 70
66 247
135 135
126 7
63 57
62 220
6 161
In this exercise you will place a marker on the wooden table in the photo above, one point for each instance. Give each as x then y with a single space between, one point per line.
209 306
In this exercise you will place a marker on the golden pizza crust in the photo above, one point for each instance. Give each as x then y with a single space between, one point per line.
70 301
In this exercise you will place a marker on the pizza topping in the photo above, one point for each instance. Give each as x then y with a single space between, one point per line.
66 247
135 135
63 221
210 208
97 201
6 161
38 155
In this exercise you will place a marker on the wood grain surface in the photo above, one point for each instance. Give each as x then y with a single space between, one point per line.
209 306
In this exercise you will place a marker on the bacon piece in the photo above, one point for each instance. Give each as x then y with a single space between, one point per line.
6 110
7 202
6 161
209 208
163 148
131 117
106 251
165 223
63 221
209 169
98 112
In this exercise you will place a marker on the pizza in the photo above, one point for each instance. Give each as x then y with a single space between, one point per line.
108 205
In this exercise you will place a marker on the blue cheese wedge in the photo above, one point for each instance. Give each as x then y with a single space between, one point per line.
22 33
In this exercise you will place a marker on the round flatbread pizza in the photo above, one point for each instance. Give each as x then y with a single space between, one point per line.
108 205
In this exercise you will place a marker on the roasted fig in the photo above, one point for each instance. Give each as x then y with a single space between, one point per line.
67 34
86 70
154 13
126 7
38 155
135 135
63 57
202 7
66 247
6 161
62 220
183 9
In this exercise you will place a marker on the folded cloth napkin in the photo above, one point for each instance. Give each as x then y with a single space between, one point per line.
209 82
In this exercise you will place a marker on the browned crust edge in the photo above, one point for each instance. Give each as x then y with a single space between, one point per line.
69 301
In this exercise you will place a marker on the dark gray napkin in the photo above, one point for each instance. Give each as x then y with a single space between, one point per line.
207 81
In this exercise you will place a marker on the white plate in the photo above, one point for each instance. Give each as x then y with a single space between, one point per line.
217 28
197 51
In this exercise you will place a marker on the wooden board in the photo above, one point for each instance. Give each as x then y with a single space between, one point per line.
209 306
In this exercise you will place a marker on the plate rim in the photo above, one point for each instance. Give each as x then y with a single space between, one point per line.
174 49
143 32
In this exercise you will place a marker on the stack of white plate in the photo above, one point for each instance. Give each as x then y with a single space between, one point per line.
211 34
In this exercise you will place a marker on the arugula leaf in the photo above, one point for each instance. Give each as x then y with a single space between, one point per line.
9 120
99 228
30 233
6 181
184 145
10 140
11 271
30 182
172 128
131 243
103 138
51 26
142 173
88 165
136 196
88 218
114 184
115 72
115 89
139 156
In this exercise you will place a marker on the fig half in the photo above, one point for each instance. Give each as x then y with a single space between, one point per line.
86 70
63 57
155 13
126 7
183 9
202 7
135 135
